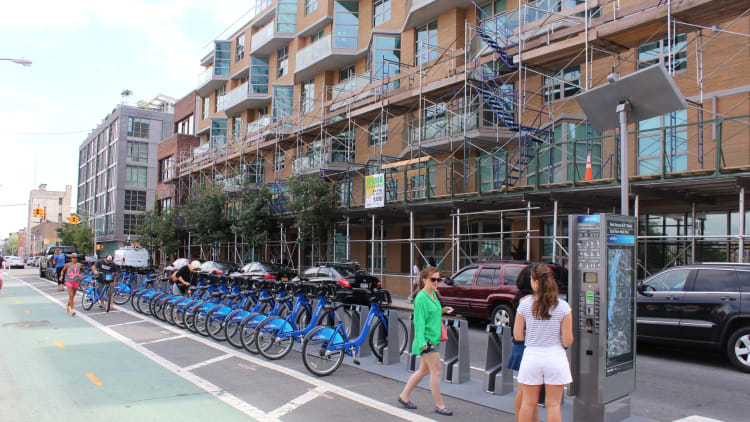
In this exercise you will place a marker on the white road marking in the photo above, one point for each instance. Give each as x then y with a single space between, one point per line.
206 362
162 339
126 323
311 395
697 419
347 394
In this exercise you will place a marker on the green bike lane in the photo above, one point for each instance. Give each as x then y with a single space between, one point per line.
55 367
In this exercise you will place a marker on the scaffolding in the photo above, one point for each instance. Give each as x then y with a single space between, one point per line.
489 117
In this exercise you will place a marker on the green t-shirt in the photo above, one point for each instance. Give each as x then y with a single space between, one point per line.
427 321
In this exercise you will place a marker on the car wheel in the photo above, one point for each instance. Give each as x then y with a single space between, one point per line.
738 348
502 315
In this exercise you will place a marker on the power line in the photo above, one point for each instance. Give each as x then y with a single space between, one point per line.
49 133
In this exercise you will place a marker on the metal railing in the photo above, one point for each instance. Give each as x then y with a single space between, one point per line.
263 36
314 52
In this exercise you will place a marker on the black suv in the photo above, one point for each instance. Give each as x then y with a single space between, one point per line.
701 304
347 275
47 267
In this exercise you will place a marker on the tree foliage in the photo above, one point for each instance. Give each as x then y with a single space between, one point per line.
160 231
254 221
312 205
205 215
80 235
12 245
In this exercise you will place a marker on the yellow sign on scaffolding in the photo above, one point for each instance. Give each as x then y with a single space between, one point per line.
375 191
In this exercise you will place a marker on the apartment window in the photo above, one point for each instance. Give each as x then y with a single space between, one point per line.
135 200
343 193
137 127
346 73
236 125
110 178
386 57
222 58
563 85
491 171
131 222
342 147
379 133
166 168
206 107
432 249
256 171
258 75
381 11
658 52
316 36
310 6
282 61
165 204
426 44
112 153
669 131
137 151
218 132
346 24
220 92
185 126
135 176
286 16
564 158
278 159
113 130
307 96
282 102
239 47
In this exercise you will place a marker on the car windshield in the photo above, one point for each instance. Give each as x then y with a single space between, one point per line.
276 268
349 271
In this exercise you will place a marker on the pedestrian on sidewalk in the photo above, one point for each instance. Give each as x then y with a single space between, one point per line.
427 333
73 272
59 260
525 292
545 324
2 270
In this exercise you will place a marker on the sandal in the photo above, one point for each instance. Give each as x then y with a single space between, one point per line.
73 313
444 411
407 404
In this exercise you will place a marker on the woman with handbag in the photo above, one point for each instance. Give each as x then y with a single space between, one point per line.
428 333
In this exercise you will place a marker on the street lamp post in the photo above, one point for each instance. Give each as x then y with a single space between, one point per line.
21 61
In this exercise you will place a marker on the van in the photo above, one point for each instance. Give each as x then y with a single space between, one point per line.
129 256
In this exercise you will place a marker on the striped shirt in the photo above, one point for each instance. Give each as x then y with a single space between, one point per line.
543 332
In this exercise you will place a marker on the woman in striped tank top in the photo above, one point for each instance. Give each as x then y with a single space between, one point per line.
545 324
73 272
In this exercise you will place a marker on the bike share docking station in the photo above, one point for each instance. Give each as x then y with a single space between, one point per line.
456 365
390 354
498 378
601 291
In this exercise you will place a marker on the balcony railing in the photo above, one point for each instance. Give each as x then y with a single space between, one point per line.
263 36
205 76
314 52
242 94
256 127
310 160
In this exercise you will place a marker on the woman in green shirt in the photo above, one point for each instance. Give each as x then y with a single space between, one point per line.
427 332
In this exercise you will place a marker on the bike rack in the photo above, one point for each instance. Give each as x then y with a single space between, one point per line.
498 379
357 325
412 359
456 364
391 353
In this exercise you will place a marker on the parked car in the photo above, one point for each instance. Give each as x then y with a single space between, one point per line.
29 260
218 267
14 262
700 304
347 275
269 270
131 257
486 289
46 267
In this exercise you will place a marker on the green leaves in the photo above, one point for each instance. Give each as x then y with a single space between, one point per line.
312 206
80 235
160 230
254 221
205 215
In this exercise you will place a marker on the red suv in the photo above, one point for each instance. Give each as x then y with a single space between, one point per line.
486 289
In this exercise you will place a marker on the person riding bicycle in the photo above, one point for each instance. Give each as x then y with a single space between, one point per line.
105 272
184 277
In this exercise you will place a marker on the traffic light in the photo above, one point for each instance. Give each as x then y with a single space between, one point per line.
41 213
35 212
73 219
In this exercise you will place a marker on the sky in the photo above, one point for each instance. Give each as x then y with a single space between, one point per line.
85 53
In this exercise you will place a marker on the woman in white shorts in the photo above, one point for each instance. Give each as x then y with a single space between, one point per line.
545 324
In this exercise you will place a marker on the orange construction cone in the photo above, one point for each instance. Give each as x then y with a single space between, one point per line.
589 173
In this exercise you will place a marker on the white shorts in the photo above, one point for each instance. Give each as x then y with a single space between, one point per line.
544 365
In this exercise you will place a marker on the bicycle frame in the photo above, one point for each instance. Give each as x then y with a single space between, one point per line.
347 344
289 321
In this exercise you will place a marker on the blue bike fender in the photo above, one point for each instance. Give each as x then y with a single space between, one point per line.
223 311
278 324
239 316
254 321
122 288
326 334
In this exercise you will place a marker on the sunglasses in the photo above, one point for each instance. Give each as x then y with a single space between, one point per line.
435 279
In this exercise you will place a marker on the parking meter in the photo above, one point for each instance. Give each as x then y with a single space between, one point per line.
601 291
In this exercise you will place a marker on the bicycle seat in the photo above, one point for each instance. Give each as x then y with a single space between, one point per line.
216 294
233 296
265 299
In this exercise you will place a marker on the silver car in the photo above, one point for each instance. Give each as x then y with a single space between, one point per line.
14 262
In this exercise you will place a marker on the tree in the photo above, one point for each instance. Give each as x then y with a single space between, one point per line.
205 214
80 235
254 221
312 205
12 246
160 231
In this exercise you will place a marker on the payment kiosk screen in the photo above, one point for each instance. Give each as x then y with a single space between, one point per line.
619 309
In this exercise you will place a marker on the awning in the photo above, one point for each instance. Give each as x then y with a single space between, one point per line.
404 163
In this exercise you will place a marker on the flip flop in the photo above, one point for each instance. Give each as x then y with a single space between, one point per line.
407 404
444 411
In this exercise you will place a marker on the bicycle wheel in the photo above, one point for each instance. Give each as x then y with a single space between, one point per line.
121 294
248 330
328 320
178 314
87 299
134 301
200 318
267 341
215 324
379 338
157 308
168 315
109 296
315 354
232 326
188 317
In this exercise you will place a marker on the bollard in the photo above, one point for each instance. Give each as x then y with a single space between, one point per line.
498 379
456 365
362 312
412 360
355 325
392 352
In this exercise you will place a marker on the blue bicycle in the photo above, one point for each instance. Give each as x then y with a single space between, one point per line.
282 306
260 298
91 296
324 348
